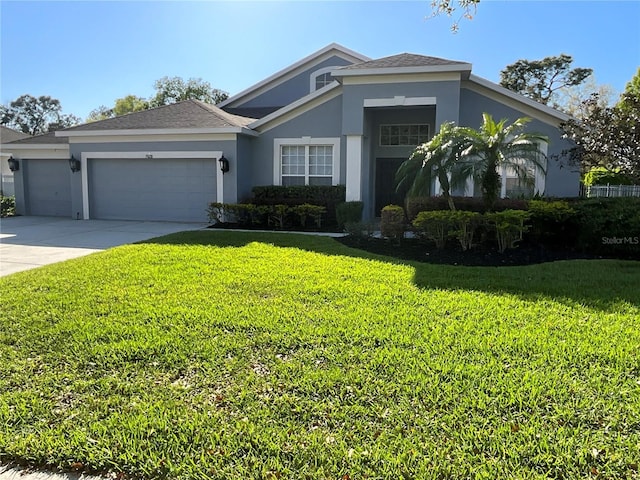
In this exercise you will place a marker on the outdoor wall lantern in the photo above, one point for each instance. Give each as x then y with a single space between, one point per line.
74 164
224 164
14 165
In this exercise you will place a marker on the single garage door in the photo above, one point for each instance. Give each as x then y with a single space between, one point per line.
151 189
48 186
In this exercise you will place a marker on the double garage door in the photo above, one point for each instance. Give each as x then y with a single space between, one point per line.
151 189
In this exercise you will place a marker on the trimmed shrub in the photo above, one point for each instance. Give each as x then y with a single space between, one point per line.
434 225
215 212
278 215
258 214
323 195
359 230
7 206
305 211
416 205
238 213
463 226
509 226
439 225
392 222
313 194
608 226
349 212
552 223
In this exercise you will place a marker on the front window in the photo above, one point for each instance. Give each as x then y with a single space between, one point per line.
323 80
404 135
306 164
519 184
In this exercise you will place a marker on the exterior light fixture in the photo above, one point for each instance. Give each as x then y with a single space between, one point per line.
224 164
14 165
74 164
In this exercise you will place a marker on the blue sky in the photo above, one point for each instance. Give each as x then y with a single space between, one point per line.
89 53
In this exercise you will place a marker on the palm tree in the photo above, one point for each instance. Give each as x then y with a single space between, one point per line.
496 145
457 153
442 156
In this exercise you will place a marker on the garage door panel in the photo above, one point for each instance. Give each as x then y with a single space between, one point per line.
151 189
48 187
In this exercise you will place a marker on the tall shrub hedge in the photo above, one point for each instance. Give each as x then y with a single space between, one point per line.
322 195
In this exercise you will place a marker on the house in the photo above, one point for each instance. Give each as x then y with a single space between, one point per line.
334 117
6 175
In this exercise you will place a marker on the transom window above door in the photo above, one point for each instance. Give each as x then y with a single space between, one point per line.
409 135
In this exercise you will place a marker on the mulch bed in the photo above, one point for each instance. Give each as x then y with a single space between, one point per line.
416 250
483 255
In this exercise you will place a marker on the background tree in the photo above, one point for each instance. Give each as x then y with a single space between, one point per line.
168 90
101 113
607 136
129 104
632 91
463 8
541 79
175 89
35 115
572 100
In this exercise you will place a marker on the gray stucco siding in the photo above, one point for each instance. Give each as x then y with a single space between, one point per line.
447 94
562 180
292 89
244 174
320 122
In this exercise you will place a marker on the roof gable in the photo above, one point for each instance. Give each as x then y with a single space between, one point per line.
281 76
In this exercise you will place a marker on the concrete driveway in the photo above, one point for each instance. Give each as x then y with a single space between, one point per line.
30 242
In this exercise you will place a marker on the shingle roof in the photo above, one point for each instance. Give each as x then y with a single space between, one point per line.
253 112
185 114
402 60
45 138
9 135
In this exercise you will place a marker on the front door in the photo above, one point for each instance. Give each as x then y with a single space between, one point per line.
385 183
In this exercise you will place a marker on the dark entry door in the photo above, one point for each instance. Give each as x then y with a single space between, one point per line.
385 183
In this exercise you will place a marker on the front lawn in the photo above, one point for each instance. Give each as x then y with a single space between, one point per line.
243 355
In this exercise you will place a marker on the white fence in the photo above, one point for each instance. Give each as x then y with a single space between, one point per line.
613 191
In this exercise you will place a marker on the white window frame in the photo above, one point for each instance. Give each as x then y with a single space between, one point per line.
278 143
539 177
316 74
402 125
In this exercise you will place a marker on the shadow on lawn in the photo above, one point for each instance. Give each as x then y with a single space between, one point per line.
600 284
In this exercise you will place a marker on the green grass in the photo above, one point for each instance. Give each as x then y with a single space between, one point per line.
227 355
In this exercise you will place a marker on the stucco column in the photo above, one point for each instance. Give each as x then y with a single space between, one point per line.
354 168
219 181
18 188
